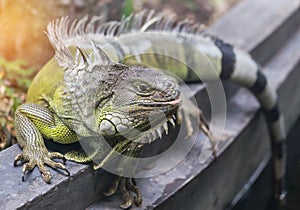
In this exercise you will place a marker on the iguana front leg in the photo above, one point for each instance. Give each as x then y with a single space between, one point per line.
27 120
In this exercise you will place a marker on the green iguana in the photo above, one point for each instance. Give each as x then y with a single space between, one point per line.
103 81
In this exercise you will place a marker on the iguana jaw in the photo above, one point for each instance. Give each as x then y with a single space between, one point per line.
143 118
158 123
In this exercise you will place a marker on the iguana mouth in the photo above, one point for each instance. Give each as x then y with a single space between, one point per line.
175 102
149 103
158 125
157 131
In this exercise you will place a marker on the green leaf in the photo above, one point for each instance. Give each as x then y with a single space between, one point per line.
128 7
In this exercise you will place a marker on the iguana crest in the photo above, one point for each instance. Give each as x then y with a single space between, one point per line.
64 33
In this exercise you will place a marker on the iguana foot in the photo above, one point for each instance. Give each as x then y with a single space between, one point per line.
189 112
39 158
123 184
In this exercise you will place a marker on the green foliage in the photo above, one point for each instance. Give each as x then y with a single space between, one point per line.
128 7
190 5
15 79
15 71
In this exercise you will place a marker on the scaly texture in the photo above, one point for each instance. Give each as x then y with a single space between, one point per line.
104 84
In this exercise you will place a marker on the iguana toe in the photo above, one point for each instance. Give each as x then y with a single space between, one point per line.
19 157
113 188
53 155
58 165
46 175
26 167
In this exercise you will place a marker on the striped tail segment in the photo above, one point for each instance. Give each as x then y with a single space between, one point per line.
239 67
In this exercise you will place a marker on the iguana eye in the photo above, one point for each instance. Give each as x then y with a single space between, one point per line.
143 88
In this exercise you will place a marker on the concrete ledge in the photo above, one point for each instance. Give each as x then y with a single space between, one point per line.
210 185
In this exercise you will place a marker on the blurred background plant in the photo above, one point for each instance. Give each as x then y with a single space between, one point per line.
15 79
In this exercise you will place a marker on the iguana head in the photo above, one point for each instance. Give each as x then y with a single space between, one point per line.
127 99
141 99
